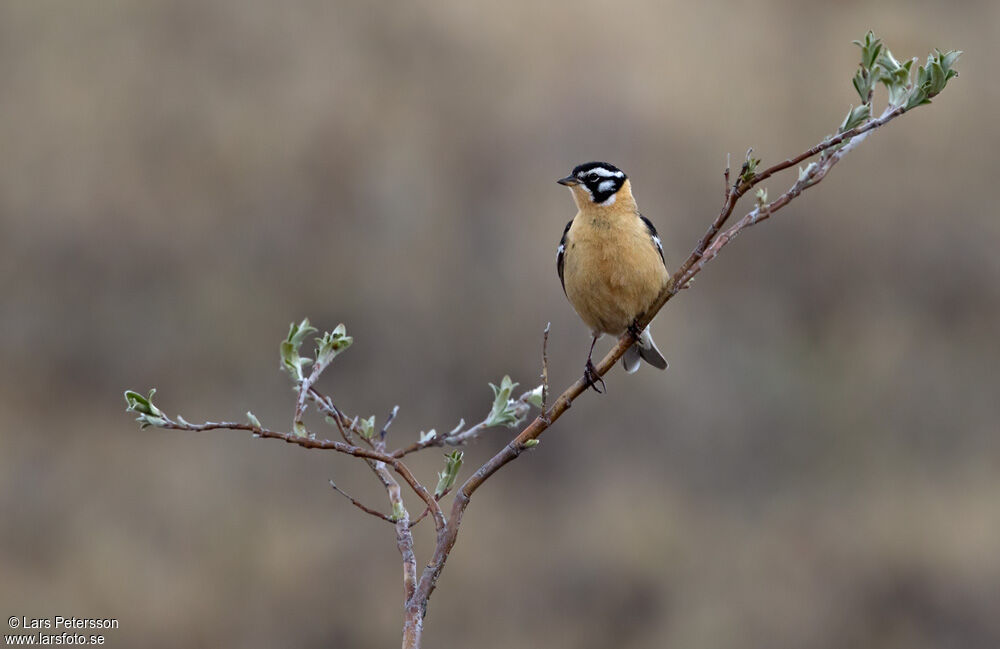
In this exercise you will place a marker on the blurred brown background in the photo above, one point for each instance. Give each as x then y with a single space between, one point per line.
820 467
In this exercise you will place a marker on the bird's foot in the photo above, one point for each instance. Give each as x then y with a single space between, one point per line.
592 378
634 331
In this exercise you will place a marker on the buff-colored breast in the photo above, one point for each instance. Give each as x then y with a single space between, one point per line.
612 271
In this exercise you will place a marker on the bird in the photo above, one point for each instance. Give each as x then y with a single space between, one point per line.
610 263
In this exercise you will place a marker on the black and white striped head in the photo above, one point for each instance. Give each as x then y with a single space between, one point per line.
600 180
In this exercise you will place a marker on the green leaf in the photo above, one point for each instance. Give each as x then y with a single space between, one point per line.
749 169
149 414
143 405
398 511
447 477
761 197
933 77
300 429
917 98
863 84
887 61
871 47
856 117
535 396
367 427
948 59
531 443
331 344
502 413
290 359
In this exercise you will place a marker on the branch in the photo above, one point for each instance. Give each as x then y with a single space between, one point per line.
357 503
877 66
309 441
400 517
545 367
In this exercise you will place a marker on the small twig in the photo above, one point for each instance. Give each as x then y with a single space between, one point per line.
326 405
311 441
725 175
404 539
426 510
362 506
416 520
305 386
545 368
388 422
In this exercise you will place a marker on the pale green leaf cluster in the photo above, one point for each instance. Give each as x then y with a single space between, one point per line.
290 358
878 65
331 344
934 76
761 198
149 414
856 117
535 396
447 477
328 346
367 427
503 412
749 169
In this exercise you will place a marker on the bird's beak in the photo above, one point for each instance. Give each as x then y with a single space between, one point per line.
569 181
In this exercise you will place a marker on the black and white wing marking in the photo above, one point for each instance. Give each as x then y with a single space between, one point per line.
652 235
561 256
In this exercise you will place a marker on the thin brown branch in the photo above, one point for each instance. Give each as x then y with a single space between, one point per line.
360 505
422 516
401 517
545 367
309 441
736 192
305 386
426 511
388 422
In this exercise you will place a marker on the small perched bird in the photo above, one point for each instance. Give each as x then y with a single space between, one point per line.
610 262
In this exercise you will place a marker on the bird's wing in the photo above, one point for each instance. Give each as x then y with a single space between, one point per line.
561 256
652 235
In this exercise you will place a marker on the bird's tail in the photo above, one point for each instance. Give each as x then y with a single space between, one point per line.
645 349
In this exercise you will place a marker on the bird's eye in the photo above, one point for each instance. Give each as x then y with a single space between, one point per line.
592 177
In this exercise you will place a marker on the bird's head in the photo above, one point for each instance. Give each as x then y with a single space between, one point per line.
596 183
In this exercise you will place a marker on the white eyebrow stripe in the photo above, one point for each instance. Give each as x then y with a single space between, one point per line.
605 173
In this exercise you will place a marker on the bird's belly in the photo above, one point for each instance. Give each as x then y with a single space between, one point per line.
611 286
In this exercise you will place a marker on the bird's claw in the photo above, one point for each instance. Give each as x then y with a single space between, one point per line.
633 330
592 378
